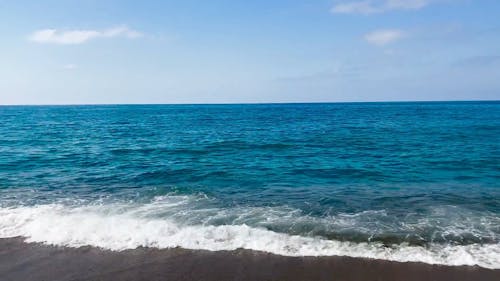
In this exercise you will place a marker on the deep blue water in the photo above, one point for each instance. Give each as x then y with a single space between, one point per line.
397 172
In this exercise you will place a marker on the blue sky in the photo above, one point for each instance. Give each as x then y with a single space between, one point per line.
222 51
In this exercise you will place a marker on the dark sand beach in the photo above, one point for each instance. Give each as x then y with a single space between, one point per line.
23 261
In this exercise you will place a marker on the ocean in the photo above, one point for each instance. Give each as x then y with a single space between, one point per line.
394 181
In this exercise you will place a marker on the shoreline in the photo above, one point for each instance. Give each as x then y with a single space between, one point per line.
33 261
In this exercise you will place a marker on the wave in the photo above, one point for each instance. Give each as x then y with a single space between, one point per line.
121 226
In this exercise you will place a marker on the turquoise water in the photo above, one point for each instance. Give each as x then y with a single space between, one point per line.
401 181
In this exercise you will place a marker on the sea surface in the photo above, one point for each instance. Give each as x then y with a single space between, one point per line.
395 181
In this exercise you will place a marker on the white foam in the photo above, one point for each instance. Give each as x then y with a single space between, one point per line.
119 227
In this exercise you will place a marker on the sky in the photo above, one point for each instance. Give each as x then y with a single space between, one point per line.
259 51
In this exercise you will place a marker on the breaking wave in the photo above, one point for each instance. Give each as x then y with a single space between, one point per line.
188 222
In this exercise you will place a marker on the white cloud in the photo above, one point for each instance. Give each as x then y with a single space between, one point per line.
377 6
70 66
73 37
383 37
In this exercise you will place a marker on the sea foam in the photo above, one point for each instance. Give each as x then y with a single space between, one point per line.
120 226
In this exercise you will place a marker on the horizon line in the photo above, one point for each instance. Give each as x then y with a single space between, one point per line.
255 103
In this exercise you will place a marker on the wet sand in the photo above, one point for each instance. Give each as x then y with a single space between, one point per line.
23 261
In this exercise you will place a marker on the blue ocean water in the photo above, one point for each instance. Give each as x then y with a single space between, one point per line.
400 181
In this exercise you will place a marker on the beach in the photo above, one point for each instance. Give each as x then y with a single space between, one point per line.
404 191
345 140
29 261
